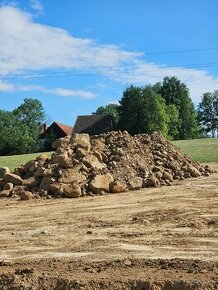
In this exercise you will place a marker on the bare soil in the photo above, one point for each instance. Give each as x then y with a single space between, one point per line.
158 238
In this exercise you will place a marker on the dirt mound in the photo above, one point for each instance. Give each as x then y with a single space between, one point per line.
106 163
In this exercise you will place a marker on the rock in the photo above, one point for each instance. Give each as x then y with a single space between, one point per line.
81 152
31 182
26 195
42 157
117 186
71 175
62 159
82 141
98 155
194 171
46 182
5 193
62 142
167 176
152 182
13 178
4 171
54 187
93 162
101 183
135 183
8 186
71 190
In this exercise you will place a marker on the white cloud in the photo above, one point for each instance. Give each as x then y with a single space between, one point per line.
37 6
8 88
27 47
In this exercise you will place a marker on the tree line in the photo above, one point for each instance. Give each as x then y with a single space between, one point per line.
165 107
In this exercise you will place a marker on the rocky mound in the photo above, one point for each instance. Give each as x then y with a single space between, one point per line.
106 163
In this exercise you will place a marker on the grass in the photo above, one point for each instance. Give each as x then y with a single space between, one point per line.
202 150
16 160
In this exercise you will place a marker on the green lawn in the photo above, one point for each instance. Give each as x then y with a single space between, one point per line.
16 160
202 150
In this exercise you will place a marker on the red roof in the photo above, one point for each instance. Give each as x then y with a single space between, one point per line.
67 129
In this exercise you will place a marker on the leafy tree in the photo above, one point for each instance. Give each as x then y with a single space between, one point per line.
31 114
111 110
208 113
176 93
142 110
173 121
15 137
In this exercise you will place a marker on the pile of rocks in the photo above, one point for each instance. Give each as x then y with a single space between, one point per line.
106 163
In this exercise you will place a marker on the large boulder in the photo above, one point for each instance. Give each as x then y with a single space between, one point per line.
135 183
71 175
13 178
71 190
81 141
62 159
101 183
93 162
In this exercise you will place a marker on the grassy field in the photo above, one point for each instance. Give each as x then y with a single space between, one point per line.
202 150
16 160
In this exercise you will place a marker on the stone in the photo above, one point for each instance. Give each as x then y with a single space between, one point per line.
81 141
46 182
62 142
71 175
13 178
42 157
31 182
98 155
81 152
26 195
8 186
54 187
71 190
62 159
117 187
167 176
5 193
93 162
4 171
194 171
101 183
152 182
135 183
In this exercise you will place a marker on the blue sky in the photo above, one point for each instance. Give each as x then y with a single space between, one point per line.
75 55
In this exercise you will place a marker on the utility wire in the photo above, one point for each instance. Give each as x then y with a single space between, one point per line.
112 72
62 57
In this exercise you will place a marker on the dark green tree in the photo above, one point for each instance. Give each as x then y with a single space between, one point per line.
111 110
208 113
142 110
15 138
176 93
31 114
50 138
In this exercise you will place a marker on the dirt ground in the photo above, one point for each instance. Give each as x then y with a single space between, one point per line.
159 238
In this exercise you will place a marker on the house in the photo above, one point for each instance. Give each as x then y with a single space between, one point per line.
93 124
53 132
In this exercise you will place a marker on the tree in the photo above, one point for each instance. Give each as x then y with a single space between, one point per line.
176 93
15 137
173 121
142 110
111 110
31 114
208 113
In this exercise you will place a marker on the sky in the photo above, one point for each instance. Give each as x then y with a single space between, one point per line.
77 55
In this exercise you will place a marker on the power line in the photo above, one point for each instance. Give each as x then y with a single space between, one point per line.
113 72
120 54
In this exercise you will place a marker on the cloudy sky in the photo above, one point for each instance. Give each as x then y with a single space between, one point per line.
75 55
